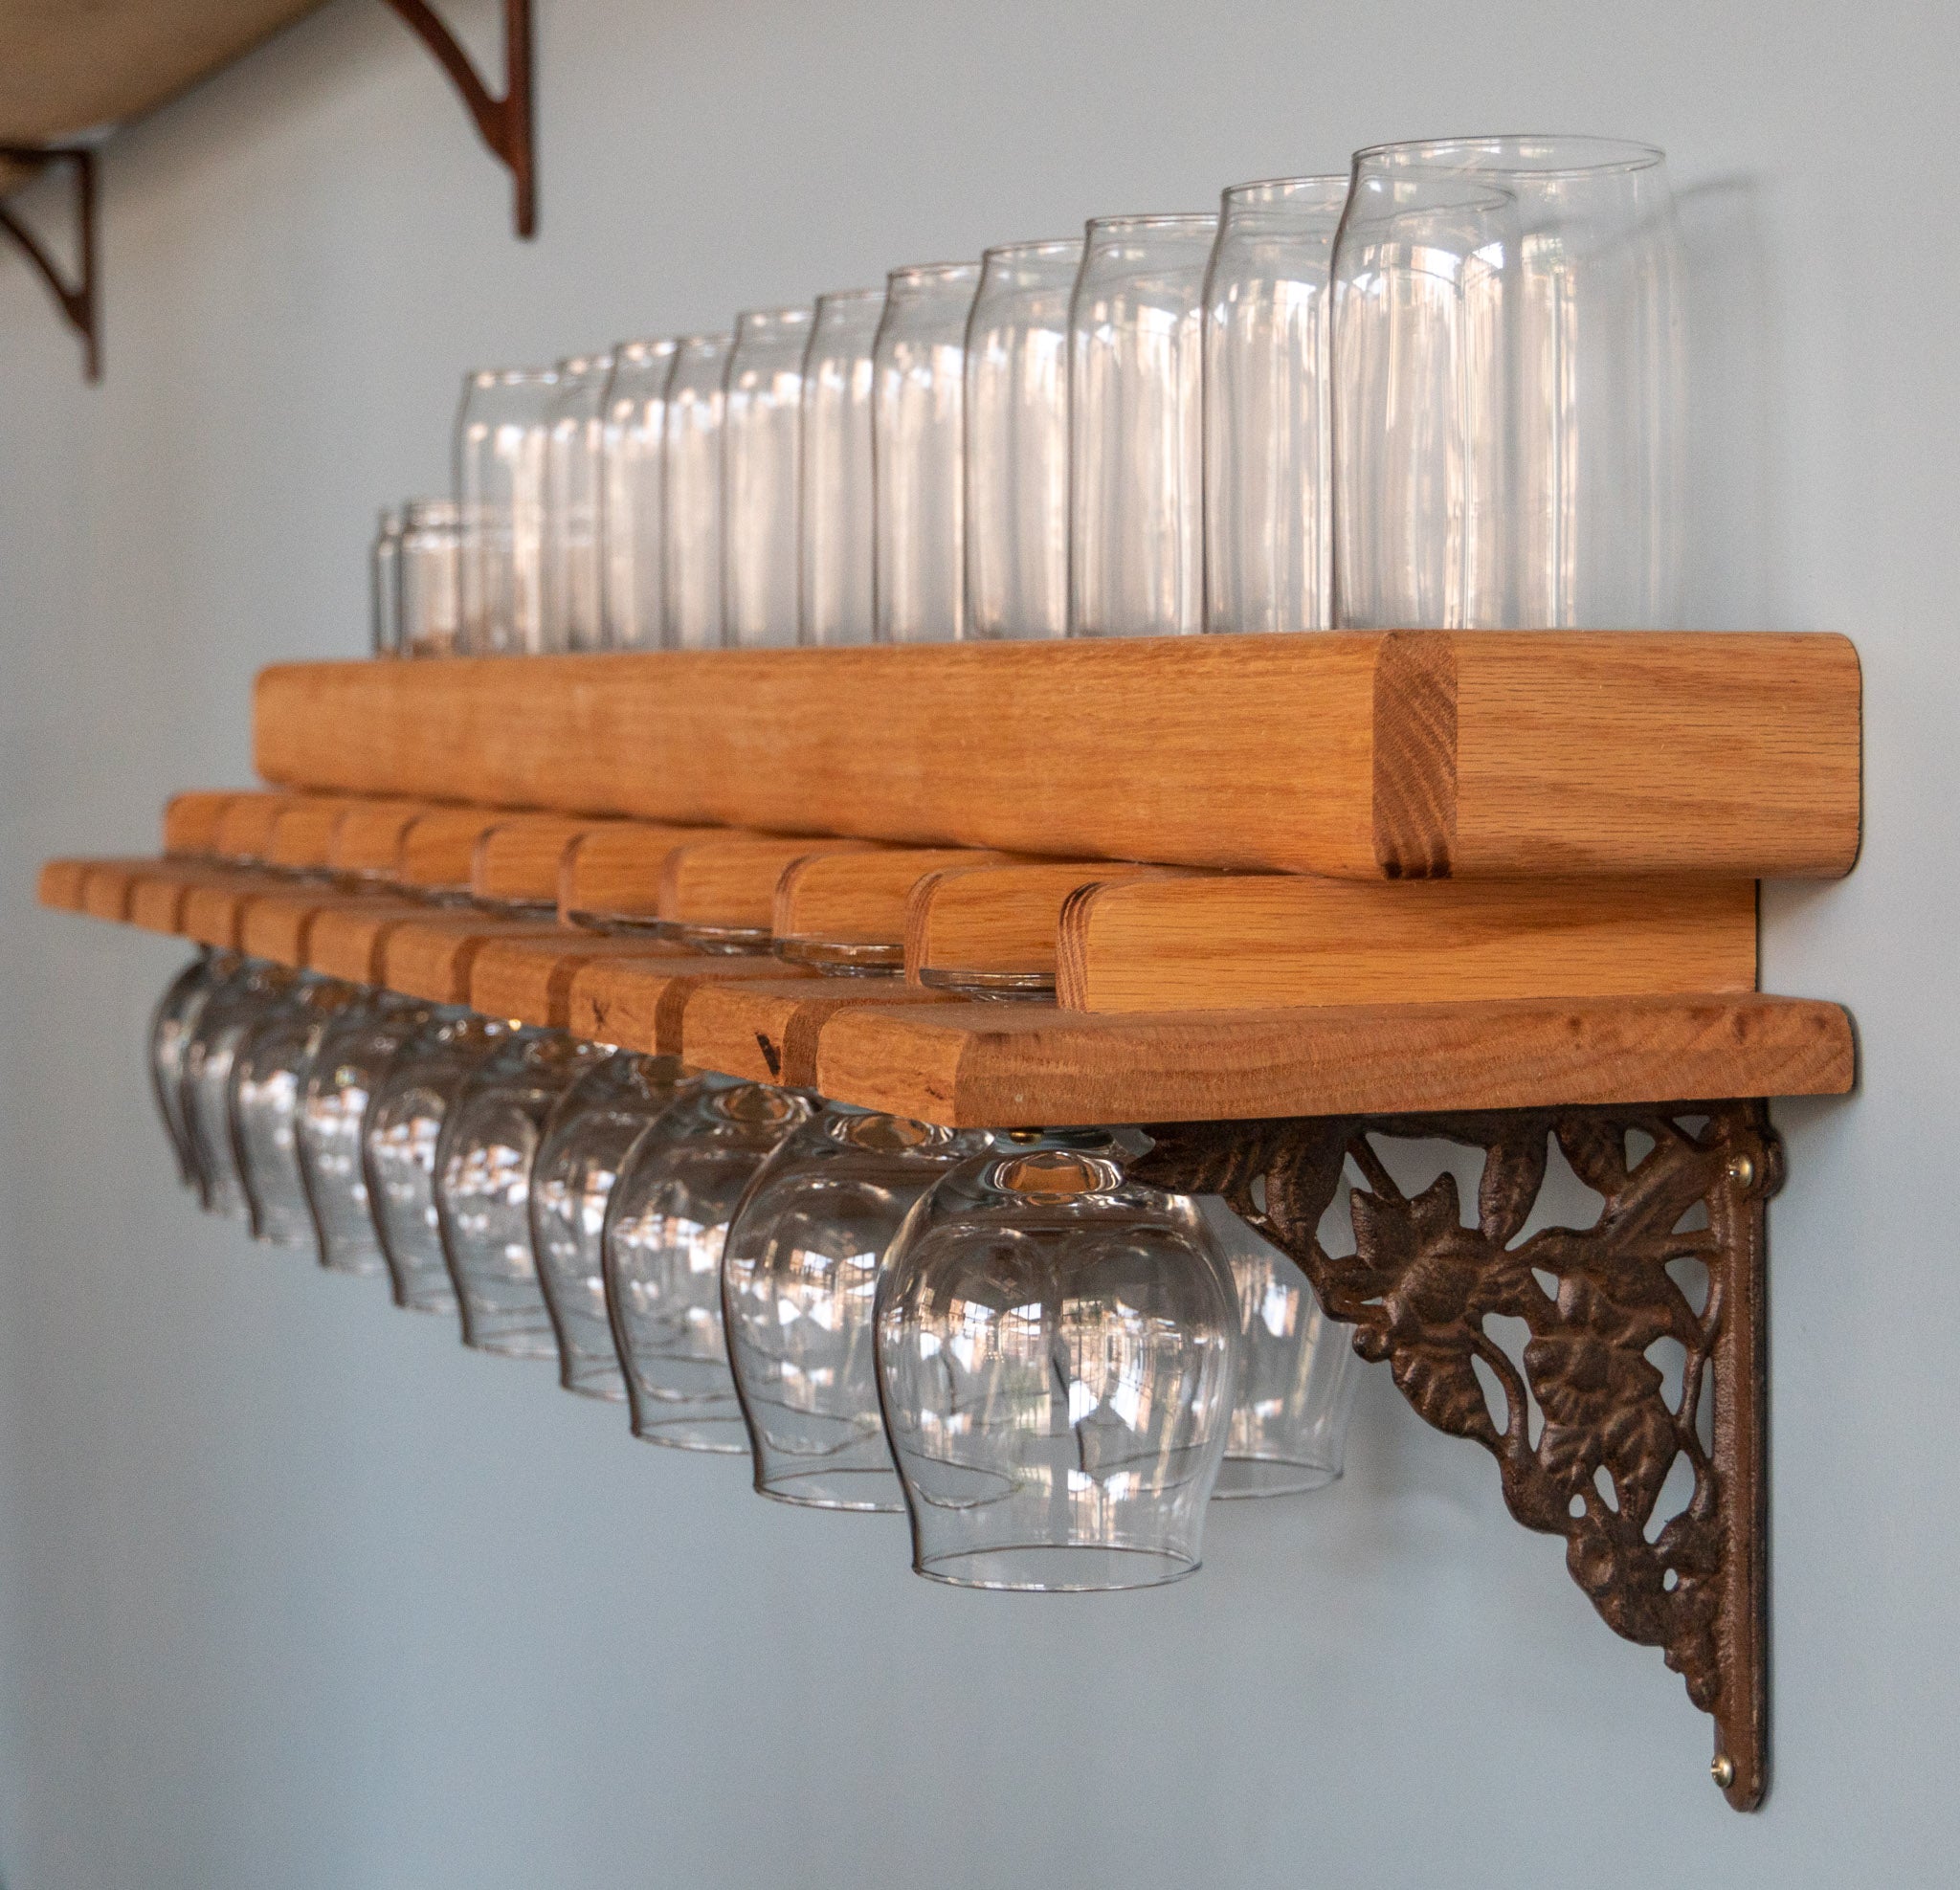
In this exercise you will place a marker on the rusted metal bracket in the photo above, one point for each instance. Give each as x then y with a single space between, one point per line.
77 299
506 123
1591 1428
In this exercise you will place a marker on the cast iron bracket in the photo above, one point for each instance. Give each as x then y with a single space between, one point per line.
76 300
505 123
1590 1430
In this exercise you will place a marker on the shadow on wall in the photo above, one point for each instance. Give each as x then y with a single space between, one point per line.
1732 499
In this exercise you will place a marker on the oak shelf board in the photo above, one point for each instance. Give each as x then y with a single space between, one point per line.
769 1030
1357 754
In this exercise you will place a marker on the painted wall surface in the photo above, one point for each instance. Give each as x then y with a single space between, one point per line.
296 1592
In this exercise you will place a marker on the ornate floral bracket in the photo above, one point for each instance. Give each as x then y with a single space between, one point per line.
77 299
504 123
1589 1433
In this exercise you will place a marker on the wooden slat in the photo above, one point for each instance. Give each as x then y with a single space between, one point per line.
60 883
638 1003
1363 755
1008 1065
440 847
726 886
303 835
613 873
245 828
430 957
214 914
191 822
850 907
766 1029
975 927
348 941
518 862
1240 941
531 979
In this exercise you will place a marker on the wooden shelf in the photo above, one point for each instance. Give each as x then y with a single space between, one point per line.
1370 756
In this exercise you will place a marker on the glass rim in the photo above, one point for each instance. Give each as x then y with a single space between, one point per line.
1330 180
750 318
921 273
699 342
1177 219
510 377
1034 246
621 349
582 363
833 297
430 511
1580 154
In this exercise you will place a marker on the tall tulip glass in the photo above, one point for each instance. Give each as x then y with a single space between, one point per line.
230 1010
1016 444
483 1187
1296 1371
1136 442
1268 440
349 1061
584 1142
1056 1351
632 516
692 492
799 1276
834 509
665 1226
500 486
269 1076
573 617
1507 419
400 1136
918 399
171 1027
762 426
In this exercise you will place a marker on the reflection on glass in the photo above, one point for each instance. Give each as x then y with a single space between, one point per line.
834 512
1057 1349
798 1280
234 1004
1017 451
692 582
384 583
169 1036
761 423
573 619
1136 448
500 486
633 513
430 579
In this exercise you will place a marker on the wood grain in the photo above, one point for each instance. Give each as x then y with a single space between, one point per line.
613 873
726 886
303 833
367 843
518 862
1576 753
1416 755
850 907
349 940
1007 1066
970 927
431 957
1241 941
766 1029
245 828
438 849
638 1003
531 979
191 822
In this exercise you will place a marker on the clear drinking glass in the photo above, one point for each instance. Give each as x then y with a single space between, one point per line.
170 1036
398 1144
384 583
632 516
573 446
761 426
799 1275
431 578
834 602
1057 1350
1296 1371
1017 450
483 1187
584 1142
1269 439
692 580
500 437
348 1064
269 1073
918 395
665 1226
1507 385
233 1005
1136 438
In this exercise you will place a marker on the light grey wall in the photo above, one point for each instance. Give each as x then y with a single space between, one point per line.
295 1592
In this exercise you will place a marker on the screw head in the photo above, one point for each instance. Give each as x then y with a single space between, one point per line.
1741 1170
1722 1769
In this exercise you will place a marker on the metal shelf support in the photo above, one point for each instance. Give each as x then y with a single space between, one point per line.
75 298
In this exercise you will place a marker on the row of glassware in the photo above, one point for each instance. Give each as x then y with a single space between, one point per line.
1051 1365
1440 391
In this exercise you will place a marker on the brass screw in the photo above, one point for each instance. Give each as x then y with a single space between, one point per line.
1742 1171
1722 1769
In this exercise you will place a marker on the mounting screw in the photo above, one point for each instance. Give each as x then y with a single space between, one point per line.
1722 1769
1741 1170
